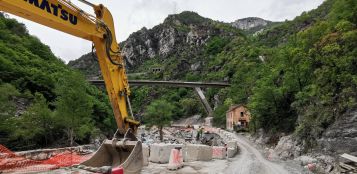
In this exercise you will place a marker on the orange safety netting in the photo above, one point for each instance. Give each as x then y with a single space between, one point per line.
10 162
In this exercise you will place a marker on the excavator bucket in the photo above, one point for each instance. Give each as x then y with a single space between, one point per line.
125 152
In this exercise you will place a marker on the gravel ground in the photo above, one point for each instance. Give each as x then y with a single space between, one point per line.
251 161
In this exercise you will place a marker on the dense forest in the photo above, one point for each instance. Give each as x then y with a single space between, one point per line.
297 76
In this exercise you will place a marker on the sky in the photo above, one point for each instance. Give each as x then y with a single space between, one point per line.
132 15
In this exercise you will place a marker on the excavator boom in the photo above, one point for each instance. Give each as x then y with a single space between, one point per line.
64 16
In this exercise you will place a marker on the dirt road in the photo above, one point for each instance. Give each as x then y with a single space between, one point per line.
250 160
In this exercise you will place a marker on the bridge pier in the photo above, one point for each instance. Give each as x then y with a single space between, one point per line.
204 101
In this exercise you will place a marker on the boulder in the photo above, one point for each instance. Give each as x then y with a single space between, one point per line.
288 148
231 152
232 144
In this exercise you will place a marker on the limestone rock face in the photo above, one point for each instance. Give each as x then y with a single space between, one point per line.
87 64
251 22
180 41
341 137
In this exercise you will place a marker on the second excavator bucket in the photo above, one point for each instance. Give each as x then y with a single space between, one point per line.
123 152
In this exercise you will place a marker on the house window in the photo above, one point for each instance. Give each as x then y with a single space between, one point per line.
241 114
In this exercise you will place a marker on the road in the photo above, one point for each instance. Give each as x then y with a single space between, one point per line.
251 161
248 161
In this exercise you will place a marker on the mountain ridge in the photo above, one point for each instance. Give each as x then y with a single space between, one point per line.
186 28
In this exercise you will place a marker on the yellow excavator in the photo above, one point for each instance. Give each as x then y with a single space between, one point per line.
124 150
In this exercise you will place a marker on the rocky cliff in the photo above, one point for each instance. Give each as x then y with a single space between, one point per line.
249 23
341 137
88 65
252 25
183 32
178 44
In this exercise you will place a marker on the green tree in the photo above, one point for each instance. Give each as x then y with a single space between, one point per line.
190 106
7 106
74 107
159 113
36 124
7 110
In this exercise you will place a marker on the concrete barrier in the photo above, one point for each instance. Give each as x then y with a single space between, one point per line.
219 152
176 160
231 152
232 149
160 153
146 154
197 152
232 144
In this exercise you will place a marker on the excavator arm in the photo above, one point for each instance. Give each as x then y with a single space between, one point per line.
64 16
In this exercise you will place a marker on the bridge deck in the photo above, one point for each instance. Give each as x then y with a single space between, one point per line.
169 83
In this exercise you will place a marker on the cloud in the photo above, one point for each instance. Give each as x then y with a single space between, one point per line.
289 9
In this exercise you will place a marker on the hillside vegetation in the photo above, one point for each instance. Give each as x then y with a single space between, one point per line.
299 76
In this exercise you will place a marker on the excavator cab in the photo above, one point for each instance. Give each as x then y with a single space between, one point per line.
123 151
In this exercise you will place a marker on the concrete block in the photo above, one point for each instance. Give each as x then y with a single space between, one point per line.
160 153
231 152
146 154
232 144
219 152
197 152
